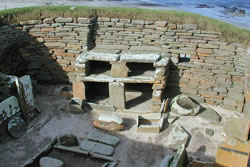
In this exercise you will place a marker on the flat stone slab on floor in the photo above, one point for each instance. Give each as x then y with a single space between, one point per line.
97 56
26 98
95 147
17 127
50 162
210 115
104 138
140 58
176 137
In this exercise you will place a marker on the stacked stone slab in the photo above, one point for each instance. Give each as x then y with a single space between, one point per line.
123 34
119 76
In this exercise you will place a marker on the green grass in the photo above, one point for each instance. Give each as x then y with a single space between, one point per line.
230 32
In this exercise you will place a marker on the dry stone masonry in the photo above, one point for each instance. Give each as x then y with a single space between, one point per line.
201 65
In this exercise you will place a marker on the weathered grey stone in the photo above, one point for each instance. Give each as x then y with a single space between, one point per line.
104 138
208 46
160 71
166 161
48 20
140 22
111 118
95 147
175 60
113 47
162 62
220 89
238 127
104 19
68 140
229 102
9 108
161 23
189 91
183 105
145 49
63 20
176 137
119 69
190 26
181 158
236 96
102 56
81 58
100 107
209 132
117 94
140 58
55 44
31 22
75 109
50 162
25 93
17 127
210 115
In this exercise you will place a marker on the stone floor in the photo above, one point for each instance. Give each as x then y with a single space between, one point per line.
135 149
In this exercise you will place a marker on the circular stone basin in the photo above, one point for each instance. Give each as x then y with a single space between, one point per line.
17 127
183 105
186 103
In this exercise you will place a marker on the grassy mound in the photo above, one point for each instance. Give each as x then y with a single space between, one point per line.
230 32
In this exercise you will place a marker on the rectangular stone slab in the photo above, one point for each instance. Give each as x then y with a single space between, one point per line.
104 138
25 93
102 56
95 147
9 108
162 62
140 58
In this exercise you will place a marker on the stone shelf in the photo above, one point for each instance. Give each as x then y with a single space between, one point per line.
107 78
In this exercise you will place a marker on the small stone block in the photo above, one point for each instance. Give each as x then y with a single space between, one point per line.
104 138
102 56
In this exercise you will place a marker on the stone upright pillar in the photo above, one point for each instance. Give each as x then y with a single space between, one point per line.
119 69
79 89
117 94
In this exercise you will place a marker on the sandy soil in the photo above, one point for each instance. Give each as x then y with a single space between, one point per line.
135 149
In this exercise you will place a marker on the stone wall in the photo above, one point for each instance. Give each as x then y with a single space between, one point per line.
51 45
247 80
215 73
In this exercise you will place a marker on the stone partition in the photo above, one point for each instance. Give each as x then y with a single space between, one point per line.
202 66
247 88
